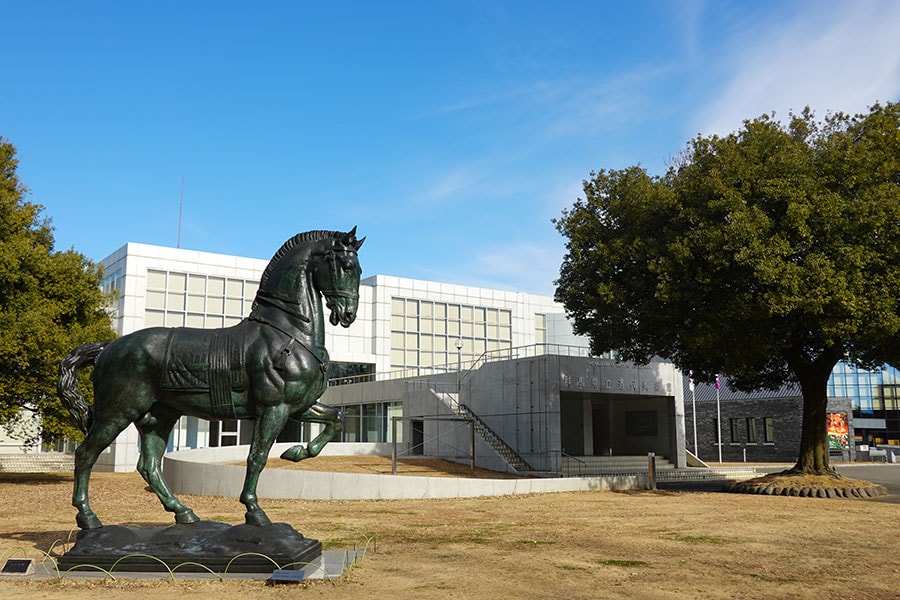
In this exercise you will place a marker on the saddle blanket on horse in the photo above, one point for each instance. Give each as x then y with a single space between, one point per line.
206 360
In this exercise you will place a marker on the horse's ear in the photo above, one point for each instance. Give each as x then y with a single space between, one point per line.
349 239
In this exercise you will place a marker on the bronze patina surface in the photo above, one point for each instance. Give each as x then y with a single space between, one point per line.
271 366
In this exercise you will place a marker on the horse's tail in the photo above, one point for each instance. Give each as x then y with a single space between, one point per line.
67 386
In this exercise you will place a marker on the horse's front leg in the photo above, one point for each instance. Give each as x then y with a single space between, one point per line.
332 417
268 425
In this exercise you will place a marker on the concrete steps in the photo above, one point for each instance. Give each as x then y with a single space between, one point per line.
585 466
610 465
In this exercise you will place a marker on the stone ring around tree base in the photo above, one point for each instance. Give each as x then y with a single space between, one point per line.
864 490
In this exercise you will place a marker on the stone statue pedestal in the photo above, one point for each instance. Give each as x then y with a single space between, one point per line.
199 547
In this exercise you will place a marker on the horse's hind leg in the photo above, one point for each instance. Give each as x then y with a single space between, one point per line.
101 435
155 427
332 417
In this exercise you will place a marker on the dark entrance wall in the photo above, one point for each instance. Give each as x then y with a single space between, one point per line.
595 424
572 424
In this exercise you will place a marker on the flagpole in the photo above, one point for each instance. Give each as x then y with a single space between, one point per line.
694 408
719 419
694 405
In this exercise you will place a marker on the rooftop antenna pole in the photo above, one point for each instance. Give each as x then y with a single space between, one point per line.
180 207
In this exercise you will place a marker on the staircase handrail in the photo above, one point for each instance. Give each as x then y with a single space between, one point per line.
504 446
528 351
563 454
466 367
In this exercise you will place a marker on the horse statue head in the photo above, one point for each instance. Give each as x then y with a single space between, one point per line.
311 265
337 279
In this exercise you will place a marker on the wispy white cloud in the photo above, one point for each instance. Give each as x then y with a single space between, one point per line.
584 107
517 266
530 267
834 56
535 118
446 185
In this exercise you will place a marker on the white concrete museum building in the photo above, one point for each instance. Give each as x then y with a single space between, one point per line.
445 369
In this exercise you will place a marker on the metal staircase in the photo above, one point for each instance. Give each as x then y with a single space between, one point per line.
489 436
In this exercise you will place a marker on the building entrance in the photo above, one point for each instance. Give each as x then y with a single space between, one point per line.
595 424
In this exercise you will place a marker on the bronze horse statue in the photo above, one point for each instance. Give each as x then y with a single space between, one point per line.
268 367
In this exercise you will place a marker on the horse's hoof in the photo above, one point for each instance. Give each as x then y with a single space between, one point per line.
186 517
88 521
295 453
257 517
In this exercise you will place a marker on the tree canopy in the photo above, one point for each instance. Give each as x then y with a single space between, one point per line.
50 302
767 255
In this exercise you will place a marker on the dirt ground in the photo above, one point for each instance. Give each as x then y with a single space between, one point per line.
564 545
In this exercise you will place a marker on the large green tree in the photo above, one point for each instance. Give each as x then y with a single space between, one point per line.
50 302
767 255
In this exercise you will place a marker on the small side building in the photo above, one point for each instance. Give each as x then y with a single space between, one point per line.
756 427
526 410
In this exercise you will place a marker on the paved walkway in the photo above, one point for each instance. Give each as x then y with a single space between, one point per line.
884 474
887 475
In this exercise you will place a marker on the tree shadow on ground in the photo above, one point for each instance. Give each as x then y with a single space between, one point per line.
38 478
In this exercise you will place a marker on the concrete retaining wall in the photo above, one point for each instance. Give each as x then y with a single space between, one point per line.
201 472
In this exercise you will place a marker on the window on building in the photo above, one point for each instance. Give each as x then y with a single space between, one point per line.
735 429
769 428
112 284
435 337
394 409
176 299
352 423
374 422
371 422
540 329
223 433
340 373
751 430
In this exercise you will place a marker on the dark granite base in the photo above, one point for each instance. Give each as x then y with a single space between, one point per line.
213 546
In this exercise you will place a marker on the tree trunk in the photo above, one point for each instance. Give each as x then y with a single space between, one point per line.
813 455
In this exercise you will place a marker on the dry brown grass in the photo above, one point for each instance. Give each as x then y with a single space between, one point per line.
565 545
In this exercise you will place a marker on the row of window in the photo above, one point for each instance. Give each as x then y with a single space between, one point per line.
745 430
371 422
111 282
867 390
426 334
177 299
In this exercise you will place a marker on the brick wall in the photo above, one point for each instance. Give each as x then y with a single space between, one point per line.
37 463
787 420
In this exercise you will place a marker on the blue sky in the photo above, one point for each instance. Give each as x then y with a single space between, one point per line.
450 132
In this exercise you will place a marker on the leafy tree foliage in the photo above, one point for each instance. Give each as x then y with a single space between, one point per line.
767 255
50 302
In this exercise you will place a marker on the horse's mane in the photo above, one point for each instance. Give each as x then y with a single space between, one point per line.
308 236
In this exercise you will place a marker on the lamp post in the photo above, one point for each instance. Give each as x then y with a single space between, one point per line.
458 364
